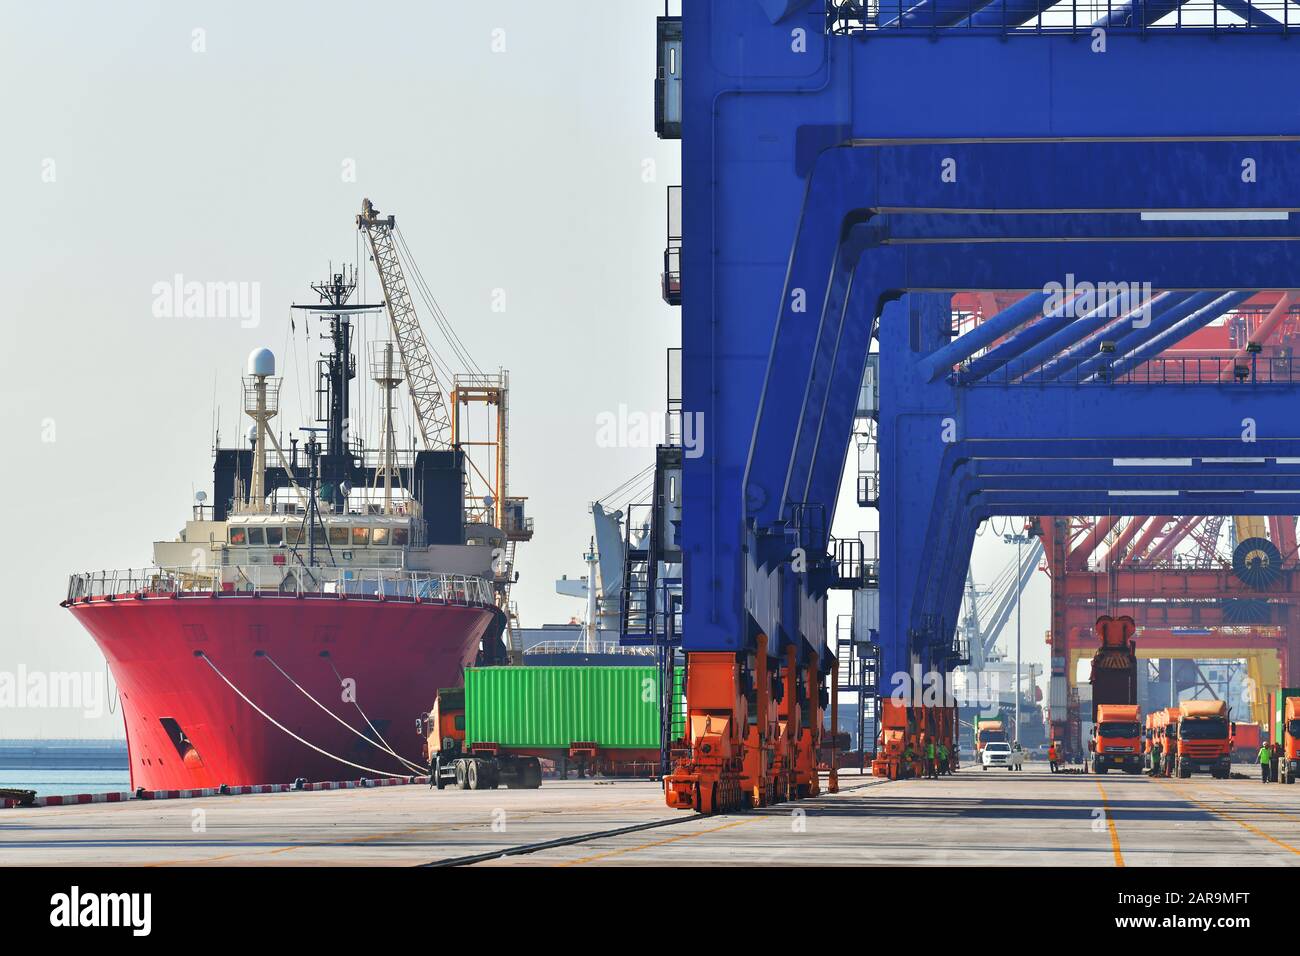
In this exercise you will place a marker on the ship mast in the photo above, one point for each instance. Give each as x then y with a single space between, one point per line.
387 373
335 371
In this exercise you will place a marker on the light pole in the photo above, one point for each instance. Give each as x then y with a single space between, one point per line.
1018 540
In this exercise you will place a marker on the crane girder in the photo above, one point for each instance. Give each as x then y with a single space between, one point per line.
426 392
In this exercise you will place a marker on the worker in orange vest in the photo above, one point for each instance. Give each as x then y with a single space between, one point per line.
1051 755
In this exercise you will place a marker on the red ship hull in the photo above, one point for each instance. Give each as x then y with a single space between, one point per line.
186 727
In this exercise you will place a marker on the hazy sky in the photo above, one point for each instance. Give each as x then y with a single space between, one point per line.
521 169
233 142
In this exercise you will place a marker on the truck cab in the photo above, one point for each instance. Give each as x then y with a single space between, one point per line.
443 727
1204 739
453 763
1118 739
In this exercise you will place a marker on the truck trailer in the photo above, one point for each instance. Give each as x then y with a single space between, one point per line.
506 720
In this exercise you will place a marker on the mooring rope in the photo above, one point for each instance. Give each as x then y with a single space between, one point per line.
379 773
357 705
384 747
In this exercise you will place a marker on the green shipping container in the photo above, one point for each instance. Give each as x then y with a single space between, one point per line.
1279 712
679 703
553 707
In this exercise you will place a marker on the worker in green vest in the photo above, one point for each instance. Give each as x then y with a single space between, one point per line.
930 761
1265 762
944 766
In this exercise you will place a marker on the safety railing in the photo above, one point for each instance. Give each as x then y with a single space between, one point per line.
671 277
1191 561
277 581
857 560
1072 17
579 646
1223 370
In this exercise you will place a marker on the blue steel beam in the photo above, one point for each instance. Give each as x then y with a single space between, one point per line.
1051 322
779 10
1172 311
1176 334
804 344
897 14
1001 13
1088 329
1147 12
986 333
796 352
759 116
1167 262
1155 338
1106 312
985 467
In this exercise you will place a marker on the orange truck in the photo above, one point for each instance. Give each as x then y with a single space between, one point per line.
452 762
1118 739
1246 741
988 731
1286 731
1202 735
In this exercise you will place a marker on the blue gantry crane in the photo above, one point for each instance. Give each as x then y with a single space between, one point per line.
847 168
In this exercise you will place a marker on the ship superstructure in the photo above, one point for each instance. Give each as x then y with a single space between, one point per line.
326 587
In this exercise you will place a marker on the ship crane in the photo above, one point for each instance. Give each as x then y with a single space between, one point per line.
431 414
438 419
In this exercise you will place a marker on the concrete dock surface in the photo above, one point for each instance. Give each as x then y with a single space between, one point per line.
974 818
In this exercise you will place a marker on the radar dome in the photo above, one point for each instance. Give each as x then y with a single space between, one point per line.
252 434
261 362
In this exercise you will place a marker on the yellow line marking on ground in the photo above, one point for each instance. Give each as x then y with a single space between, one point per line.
648 846
1231 819
1110 823
1273 811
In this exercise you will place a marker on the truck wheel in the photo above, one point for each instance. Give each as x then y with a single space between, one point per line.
462 775
472 775
531 773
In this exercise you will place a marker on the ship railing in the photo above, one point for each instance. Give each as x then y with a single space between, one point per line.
279 581
579 646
